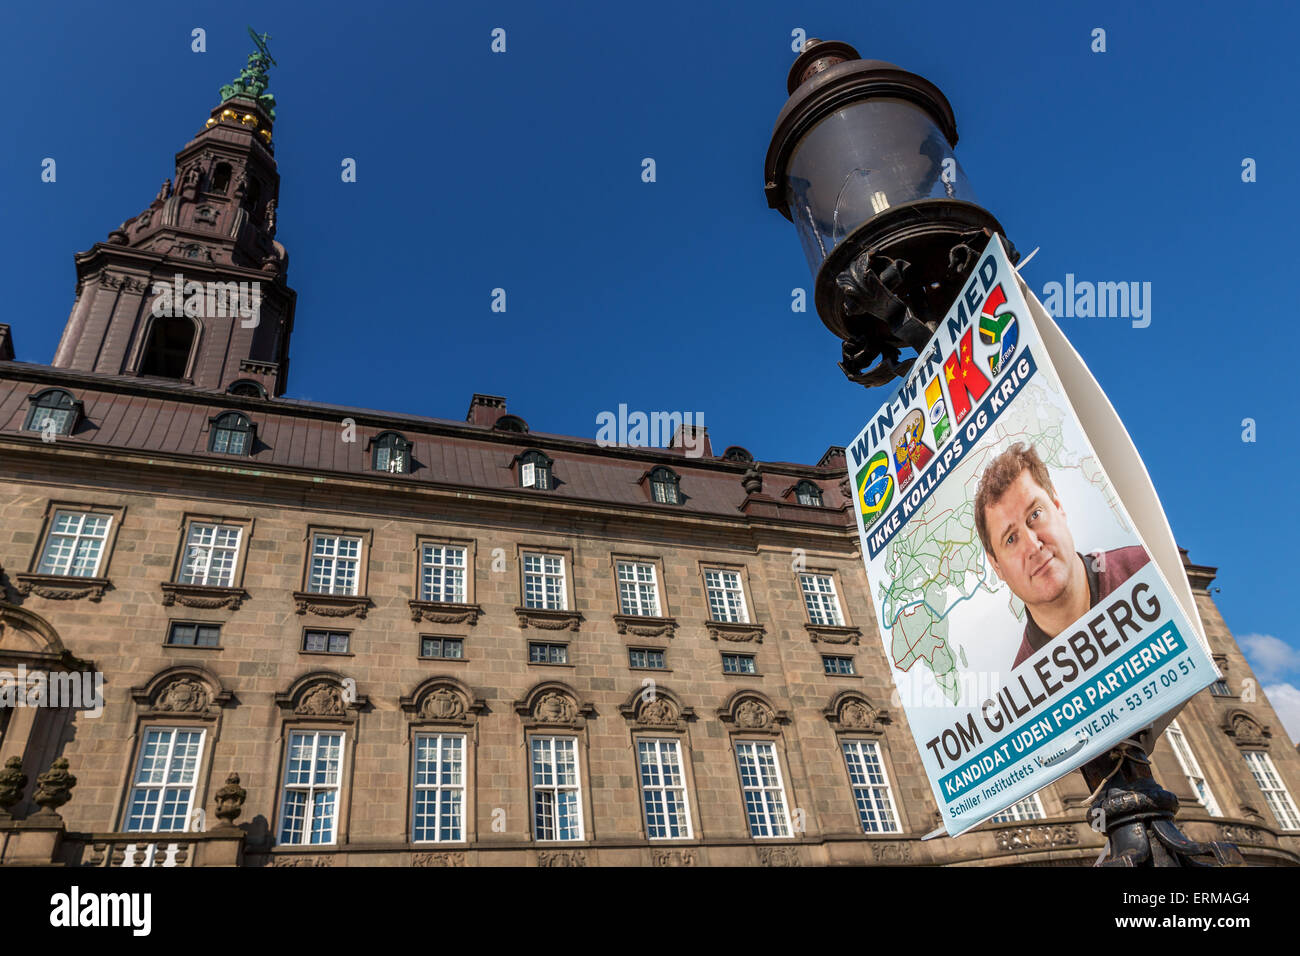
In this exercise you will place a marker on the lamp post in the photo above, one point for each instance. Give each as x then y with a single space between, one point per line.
861 161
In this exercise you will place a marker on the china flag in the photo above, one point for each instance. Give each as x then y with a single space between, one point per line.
964 378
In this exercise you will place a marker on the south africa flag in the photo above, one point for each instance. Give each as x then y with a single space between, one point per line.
998 330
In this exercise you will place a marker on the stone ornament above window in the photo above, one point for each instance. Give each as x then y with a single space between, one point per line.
553 704
851 710
751 710
442 612
184 689
655 708
442 700
735 631
833 633
1246 731
323 694
61 587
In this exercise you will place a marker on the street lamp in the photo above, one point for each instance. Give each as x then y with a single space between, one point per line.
861 161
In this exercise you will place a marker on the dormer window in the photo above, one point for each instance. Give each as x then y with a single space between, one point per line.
664 486
53 411
511 423
808 494
737 454
247 388
392 453
535 471
232 434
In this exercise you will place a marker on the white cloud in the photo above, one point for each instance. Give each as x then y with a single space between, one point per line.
1285 699
1272 659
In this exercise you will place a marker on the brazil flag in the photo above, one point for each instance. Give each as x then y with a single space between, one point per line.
875 488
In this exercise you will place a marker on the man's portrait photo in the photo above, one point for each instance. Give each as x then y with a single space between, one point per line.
1023 528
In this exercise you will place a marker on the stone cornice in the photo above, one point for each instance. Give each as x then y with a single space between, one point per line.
548 620
443 612
202 595
331 605
61 587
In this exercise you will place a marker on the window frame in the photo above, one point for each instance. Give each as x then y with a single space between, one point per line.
285 788
636 563
662 652
1176 734
851 672
663 477
550 645
330 633
829 576
441 638
862 744
746 741
364 537
539 460
248 428
533 792
171 628
809 488
391 441
684 788
1281 793
199 774
74 408
467 568
188 522
463 788
53 509
743 588
752 658
566 589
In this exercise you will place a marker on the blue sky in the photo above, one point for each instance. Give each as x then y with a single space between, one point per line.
522 171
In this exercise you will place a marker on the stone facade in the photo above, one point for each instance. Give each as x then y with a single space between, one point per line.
140 451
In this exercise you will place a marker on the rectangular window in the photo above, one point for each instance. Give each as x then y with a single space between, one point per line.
544 582
646 657
760 780
1220 689
837 665
211 552
663 790
1027 809
194 635
448 647
312 773
325 642
439 788
75 544
738 664
442 574
637 593
557 793
1200 786
820 599
726 597
334 563
547 653
162 791
871 790
1275 792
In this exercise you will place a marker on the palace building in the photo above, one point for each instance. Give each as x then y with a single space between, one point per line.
338 636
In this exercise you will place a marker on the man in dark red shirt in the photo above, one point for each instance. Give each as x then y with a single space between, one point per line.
1024 532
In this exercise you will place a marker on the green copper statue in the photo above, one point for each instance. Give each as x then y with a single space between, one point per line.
252 81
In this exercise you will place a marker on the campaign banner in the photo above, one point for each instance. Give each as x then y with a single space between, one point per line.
1026 612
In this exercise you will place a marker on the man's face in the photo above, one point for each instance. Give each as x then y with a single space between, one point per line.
1032 544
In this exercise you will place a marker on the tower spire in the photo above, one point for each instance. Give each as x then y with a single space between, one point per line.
252 80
